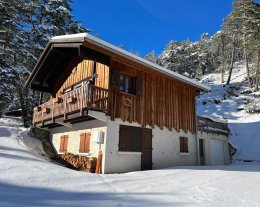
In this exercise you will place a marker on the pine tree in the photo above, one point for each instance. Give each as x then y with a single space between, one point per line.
25 28
231 31
244 16
151 57
45 19
11 42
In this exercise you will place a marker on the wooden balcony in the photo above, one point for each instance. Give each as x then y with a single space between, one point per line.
205 124
71 105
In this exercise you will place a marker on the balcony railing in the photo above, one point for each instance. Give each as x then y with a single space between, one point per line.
75 101
207 125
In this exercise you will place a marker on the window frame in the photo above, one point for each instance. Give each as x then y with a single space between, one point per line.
184 144
127 80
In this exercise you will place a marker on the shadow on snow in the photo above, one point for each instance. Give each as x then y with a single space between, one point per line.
14 195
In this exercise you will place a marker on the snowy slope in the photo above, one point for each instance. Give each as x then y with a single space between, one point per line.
29 180
245 127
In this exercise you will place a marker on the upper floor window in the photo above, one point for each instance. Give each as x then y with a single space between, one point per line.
126 84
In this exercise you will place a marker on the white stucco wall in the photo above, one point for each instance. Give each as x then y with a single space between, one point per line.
165 152
165 143
74 137
207 147
166 148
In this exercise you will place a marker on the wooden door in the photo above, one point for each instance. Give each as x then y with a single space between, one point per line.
146 158
201 151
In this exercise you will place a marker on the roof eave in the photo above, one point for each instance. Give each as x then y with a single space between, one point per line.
135 58
85 37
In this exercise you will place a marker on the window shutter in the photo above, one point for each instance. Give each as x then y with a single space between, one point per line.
87 142
130 138
184 144
123 139
65 146
139 86
115 78
181 144
84 142
62 144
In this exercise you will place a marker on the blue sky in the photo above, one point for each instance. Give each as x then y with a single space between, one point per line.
144 25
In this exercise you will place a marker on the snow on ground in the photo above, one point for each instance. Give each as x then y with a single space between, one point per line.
29 180
244 127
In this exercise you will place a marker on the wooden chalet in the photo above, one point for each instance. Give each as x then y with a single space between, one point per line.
90 80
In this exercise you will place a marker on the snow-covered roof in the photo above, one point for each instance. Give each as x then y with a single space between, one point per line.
86 37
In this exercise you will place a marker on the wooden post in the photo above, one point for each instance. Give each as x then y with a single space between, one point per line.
42 116
65 107
52 111
99 160
81 98
40 99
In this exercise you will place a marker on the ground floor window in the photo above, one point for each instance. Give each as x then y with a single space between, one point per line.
84 142
184 144
130 138
64 143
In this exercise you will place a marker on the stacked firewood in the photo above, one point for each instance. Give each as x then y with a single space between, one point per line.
81 163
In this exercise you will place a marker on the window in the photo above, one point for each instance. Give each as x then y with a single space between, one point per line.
184 144
130 139
64 143
126 84
84 142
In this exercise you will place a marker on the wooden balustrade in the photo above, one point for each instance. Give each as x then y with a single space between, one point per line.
75 101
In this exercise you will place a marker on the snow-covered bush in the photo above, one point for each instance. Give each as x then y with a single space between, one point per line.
253 106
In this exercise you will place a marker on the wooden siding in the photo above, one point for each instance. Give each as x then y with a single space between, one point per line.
158 99
84 70
163 102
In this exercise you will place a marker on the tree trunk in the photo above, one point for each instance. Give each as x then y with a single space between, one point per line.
223 59
232 59
245 54
257 71
23 106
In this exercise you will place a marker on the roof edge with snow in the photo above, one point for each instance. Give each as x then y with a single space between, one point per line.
85 37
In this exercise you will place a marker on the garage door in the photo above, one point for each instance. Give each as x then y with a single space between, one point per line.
217 152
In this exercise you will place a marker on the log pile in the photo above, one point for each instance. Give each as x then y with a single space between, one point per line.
81 163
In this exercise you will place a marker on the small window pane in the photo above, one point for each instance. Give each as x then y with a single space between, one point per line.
122 83
126 85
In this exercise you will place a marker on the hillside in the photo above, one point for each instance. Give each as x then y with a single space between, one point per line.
28 179
234 102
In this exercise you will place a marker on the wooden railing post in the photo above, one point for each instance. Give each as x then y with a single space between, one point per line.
52 111
81 99
65 107
42 115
